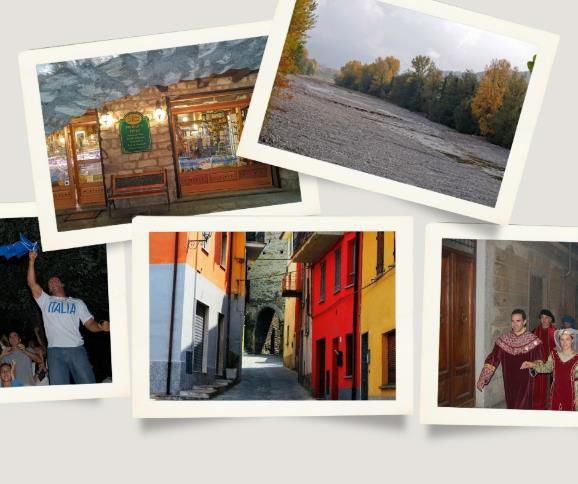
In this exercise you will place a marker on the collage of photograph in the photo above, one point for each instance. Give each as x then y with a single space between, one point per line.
178 180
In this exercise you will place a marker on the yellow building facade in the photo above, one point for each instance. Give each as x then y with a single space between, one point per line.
292 305
377 315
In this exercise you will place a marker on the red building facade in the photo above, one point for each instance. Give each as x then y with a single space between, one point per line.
334 319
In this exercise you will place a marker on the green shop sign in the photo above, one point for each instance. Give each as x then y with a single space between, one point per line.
135 133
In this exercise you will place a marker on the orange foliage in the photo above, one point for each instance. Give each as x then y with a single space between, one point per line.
490 94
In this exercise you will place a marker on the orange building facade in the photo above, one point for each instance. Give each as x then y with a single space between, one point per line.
197 305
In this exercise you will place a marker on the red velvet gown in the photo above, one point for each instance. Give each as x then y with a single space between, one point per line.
563 387
511 351
542 380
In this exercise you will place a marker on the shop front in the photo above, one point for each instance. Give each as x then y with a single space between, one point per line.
189 130
74 157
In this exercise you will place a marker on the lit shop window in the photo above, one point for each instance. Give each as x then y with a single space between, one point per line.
87 153
208 139
58 159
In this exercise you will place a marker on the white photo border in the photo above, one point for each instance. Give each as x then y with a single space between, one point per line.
52 238
145 407
119 348
546 44
430 413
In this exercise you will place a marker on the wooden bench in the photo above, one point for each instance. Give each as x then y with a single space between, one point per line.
138 185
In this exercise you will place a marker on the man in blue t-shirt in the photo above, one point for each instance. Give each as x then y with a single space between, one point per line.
61 315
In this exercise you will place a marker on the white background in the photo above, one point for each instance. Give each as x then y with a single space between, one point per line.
88 440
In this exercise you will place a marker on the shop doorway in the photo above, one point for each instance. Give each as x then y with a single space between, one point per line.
205 133
75 162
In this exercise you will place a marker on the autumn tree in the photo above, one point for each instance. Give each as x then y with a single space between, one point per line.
381 72
349 75
505 121
302 21
490 94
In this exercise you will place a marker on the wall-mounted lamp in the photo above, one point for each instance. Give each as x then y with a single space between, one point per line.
195 243
159 113
62 140
106 119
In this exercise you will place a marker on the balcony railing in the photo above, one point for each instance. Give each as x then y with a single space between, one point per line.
291 285
311 246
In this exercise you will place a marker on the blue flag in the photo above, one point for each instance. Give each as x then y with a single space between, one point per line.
18 249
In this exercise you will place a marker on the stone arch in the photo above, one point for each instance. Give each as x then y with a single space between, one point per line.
268 329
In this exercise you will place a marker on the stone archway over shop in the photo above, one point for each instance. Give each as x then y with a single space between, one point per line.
268 333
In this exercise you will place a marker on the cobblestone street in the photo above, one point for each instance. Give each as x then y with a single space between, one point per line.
264 377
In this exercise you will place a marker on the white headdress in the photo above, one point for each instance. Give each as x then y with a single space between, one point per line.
570 331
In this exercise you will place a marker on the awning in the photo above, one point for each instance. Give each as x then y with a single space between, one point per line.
68 89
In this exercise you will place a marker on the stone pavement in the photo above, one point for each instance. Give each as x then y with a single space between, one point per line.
264 377
201 205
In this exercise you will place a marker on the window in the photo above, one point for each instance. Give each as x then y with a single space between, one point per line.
388 358
224 243
350 262
337 278
322 282
349 354
379 266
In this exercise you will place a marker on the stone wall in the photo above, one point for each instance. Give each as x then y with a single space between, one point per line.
265 275
509 267
160 156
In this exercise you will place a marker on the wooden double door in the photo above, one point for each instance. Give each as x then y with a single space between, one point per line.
456 380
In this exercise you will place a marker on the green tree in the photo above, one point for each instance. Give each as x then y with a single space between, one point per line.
464 119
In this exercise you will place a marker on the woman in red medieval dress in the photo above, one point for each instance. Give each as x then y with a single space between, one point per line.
563 363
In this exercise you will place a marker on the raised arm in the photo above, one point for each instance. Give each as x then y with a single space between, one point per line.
31 278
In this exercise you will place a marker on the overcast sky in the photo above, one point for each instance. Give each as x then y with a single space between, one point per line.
372 29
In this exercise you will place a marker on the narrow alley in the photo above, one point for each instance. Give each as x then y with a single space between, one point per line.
265 378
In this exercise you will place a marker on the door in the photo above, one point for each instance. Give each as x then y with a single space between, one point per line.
86 158
364 366
199 328
320 374
335 370
456 377
61 173
220 363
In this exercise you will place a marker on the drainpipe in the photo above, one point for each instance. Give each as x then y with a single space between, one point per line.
172 325
229 297
356 298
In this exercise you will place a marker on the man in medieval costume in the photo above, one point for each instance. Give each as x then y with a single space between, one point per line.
542 381
511 350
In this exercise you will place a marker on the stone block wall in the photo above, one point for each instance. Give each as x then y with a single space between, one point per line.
509 268
115 162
